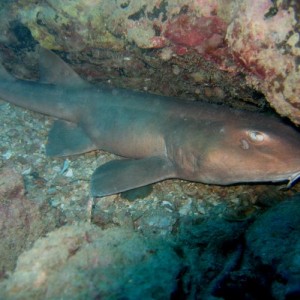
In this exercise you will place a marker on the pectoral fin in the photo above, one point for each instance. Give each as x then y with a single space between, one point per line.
67 138
121 175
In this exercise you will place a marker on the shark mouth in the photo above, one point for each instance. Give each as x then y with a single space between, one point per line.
292 179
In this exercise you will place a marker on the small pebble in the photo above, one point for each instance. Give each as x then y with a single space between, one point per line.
7 154
175 70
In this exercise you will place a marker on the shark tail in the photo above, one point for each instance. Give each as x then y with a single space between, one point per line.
52 94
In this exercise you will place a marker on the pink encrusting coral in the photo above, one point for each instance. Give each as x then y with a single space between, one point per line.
264 39
192 31
204 34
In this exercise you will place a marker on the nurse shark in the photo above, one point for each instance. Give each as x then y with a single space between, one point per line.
158 137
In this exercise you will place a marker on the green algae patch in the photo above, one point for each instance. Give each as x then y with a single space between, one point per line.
70 26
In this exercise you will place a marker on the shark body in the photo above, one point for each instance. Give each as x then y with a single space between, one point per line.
159 137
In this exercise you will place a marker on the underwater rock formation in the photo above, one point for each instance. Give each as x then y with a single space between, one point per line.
84 262
217 50
274 248
21 220
202 258
270 265
264 39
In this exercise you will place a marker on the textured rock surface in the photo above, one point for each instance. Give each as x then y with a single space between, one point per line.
264 39
269 267
85 262
222 51
274 248
21 220
204 259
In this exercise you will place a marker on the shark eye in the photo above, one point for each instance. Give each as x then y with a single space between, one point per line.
256 136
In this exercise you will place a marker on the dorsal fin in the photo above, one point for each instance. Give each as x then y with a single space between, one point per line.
54 70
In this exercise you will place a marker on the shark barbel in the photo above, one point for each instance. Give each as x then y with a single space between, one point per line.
160 137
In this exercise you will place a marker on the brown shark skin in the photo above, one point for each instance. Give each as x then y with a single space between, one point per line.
162 137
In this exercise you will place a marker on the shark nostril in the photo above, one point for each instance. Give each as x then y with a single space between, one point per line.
244 144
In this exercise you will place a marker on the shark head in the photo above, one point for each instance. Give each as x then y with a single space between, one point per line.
253 148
